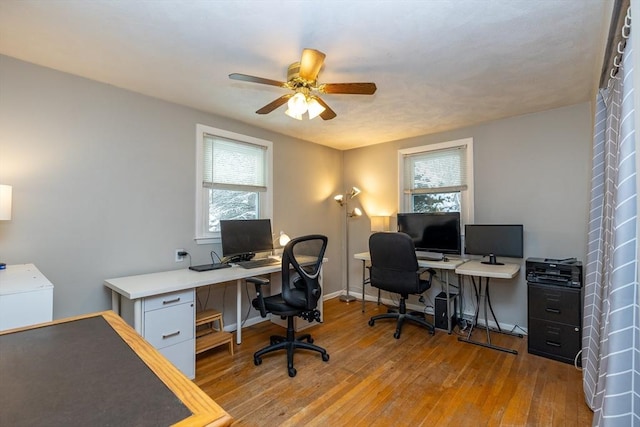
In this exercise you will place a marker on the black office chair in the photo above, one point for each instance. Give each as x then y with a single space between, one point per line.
394 268
301 292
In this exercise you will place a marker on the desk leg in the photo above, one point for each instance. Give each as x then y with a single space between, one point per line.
487 301
137 315
115 302
239 311
446 278
364 267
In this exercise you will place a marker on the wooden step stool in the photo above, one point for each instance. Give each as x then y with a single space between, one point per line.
213 335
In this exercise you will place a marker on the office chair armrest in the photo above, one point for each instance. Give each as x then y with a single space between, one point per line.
259 282
431 272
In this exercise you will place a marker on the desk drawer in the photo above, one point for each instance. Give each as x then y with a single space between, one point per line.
170 325
555 303
168 300
182 357
554 340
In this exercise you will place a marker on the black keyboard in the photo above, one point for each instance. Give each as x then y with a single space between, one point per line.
262 262
208 267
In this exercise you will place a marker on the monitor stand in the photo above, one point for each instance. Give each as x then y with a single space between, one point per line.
492 261
240 257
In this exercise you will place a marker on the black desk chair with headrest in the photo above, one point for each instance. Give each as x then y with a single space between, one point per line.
394 268
301 292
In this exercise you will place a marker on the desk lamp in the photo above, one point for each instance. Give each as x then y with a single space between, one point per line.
283 239
5 208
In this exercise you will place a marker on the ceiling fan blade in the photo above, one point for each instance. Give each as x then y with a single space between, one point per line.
328 113
349 88
253 79
310 64
275 104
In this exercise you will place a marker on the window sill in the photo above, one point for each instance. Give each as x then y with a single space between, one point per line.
207 240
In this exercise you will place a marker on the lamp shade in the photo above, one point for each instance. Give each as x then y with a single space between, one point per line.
5 202
314 108
284 239
379 223
355 213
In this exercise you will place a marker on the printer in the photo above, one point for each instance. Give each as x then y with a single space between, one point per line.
560 272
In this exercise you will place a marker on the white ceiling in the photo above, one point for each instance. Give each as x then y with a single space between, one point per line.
438 64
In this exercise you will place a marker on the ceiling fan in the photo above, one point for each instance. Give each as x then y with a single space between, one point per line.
302 80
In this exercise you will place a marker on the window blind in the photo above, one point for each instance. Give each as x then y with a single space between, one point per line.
437 171
233 165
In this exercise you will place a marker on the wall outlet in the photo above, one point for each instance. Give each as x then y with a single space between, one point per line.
178 257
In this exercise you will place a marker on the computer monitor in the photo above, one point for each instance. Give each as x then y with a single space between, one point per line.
242 238
494 240
433 232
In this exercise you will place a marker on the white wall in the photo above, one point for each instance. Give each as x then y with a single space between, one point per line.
103 184
532 170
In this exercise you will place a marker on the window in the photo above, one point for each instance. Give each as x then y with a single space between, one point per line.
437 178
233 180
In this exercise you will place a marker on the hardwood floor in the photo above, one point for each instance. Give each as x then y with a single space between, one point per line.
373 379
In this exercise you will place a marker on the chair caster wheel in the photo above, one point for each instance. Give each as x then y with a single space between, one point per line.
396 334
325 357
371 322
310 340
292 372
257 361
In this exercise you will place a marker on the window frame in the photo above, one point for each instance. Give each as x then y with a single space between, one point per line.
202 235
466 196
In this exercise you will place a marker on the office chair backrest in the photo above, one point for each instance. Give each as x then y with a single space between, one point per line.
394 265
301 283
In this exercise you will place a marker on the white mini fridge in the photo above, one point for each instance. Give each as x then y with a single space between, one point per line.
26 297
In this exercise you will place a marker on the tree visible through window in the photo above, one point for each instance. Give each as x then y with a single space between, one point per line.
437 178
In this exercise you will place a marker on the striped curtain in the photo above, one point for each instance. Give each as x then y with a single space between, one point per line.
611 324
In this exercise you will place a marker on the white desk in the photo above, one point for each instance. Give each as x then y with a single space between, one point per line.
487 271
172 330
26 297
445 266
136 288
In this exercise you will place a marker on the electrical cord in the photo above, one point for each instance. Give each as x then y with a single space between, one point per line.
518 327
206 301
213 261
575 361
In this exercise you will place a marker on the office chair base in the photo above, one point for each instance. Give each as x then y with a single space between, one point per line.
401 315
289 343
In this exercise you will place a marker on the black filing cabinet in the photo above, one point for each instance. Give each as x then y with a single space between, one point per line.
555 321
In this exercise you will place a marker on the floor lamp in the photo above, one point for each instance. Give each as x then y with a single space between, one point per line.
343 200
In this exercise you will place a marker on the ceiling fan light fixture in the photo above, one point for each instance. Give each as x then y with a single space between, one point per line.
297 104
314 108
293 114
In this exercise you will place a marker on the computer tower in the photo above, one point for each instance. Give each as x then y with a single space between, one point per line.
442 312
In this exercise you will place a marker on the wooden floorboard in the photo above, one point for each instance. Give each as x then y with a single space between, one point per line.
372 379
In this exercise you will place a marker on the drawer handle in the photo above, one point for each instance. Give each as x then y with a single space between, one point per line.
171 301
552 310
553 344
172 334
